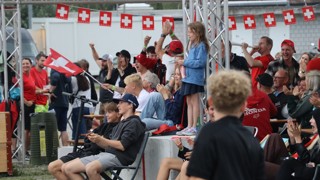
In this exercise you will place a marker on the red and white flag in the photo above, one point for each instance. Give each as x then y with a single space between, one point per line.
126 21
62 11
249 21
105 18
269 20
83 15
308 13
289 17
61 64
170 19
147 23
232 23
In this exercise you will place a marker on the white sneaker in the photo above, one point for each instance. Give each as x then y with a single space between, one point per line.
180 133
190 132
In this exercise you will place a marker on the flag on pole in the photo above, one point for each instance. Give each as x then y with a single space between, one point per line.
61 64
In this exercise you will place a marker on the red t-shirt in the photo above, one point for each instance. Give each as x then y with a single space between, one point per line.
29 87
41 80
256 71
258 112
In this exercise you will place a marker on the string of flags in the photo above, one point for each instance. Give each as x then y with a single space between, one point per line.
126 20
105 18
289 18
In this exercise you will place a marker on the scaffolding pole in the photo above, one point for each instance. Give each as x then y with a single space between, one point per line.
10 29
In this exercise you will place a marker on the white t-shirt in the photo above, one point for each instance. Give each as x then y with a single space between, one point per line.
87 93
169 62
117 95
142 98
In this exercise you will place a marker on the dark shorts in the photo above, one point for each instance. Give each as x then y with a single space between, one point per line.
62 119
28 110
187 89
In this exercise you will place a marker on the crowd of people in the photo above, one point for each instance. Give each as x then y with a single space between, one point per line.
161 90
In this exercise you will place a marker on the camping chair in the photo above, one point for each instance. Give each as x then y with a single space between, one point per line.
317 173
115 171
253 130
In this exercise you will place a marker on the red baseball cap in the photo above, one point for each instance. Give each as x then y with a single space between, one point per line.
175 47
314 64
144 61
289 43
164 128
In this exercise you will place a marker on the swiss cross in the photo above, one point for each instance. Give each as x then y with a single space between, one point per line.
62 11
308 13
126 21
105 18
249 21
148 22
84 15
288 17
269 19
231 23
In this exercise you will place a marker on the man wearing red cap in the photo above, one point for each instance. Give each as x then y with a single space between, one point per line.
144 64
174 49
259 64
286 62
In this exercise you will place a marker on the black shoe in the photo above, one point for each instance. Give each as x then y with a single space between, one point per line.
27 156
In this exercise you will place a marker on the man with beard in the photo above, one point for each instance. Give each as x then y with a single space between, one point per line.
258 64
40 77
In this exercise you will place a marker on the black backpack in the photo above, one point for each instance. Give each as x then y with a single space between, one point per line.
160 70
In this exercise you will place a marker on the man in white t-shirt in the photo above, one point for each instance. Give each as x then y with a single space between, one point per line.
171 51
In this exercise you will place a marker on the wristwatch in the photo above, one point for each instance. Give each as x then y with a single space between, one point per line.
163 35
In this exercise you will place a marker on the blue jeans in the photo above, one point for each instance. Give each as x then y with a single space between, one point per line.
82 126
155 105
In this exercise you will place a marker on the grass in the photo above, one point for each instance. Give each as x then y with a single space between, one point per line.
28 172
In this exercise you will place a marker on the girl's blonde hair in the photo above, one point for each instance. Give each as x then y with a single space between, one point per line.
199 29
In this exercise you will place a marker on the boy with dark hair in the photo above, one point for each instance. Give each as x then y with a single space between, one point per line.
120 150
90 148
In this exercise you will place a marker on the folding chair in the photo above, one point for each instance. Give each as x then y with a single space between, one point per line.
115 171
253 130
317 173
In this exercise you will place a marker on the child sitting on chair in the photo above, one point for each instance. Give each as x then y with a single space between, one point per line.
89 148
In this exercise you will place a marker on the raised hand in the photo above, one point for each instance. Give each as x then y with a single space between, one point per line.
146 40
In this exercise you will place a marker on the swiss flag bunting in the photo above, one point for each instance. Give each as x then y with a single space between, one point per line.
105 18
61 64
126 21
62 11
147 23
83 15
289 17
308 13
170 19
232 23
249 21
269 19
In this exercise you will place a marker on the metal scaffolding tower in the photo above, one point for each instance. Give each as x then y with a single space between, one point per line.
211 13
10 20
215 18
